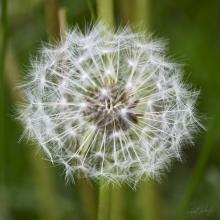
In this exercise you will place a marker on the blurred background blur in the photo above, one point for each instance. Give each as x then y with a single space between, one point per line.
32 189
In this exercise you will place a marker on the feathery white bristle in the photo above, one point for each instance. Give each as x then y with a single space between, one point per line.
109 104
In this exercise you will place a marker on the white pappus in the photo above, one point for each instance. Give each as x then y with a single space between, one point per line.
109 105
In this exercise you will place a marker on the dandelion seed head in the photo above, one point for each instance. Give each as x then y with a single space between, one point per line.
109 105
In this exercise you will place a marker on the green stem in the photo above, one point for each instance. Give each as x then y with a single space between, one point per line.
62 21
148 198
87 197
125 11
117 204
199 169
104 201
52 18
148 201
105 11
141 16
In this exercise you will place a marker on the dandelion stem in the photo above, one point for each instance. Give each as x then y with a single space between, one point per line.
148 198
104 200
148 201
88 199
125 11
199 169
51 9
141 16
105 9
105 13
62 21
117 204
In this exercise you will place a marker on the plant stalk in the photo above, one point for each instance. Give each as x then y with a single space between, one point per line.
105 11
87 197
52 19
141 16
117 204
104 200
148 201
62 21
148 198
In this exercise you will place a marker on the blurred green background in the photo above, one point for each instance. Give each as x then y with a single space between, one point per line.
31 188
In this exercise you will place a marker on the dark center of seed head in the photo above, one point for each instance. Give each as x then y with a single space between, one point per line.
111 108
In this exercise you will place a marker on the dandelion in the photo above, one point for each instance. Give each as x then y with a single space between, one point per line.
109 105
